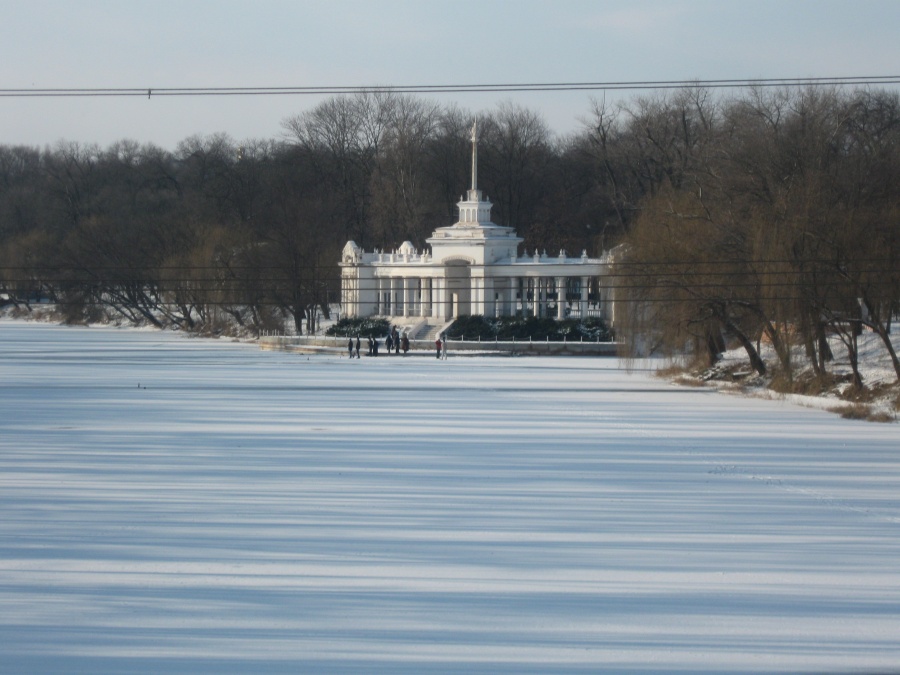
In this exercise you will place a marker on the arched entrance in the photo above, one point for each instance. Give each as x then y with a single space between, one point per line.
459 287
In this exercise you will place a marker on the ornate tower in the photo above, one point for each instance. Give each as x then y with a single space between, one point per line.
473 210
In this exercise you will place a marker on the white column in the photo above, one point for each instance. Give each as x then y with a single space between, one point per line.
420 309
536 310
396 296
519 288
503 307
406 296
345 294
379 298
437 298
392 300
432 295
352 290
476 301
542 296
560 297
583 304
446 299
488 292
504 299
545 291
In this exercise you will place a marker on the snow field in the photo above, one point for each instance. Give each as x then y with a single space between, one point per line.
191 506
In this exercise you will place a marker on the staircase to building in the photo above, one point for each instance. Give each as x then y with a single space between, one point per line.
430 331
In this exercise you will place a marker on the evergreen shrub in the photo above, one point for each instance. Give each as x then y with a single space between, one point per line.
474 327
363 326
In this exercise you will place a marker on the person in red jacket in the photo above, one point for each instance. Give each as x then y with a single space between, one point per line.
438 344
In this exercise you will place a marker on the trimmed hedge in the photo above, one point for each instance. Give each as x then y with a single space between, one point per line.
476 327
363 326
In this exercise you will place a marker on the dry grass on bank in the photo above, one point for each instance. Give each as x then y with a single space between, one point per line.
877 401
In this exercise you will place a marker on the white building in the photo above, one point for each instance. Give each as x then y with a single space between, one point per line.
473 267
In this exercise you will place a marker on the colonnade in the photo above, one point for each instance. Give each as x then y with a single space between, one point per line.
446 297
410 296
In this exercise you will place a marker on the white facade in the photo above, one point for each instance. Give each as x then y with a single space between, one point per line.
473 267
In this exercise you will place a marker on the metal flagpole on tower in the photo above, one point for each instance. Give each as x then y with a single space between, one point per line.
475 155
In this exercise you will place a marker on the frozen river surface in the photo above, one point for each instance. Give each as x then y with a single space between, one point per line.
188 506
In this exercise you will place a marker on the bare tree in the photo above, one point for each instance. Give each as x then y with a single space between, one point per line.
516 147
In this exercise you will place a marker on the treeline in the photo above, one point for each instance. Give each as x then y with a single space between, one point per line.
774 217
219 233
764 215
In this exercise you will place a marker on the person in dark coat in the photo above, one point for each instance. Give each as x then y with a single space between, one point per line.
405 341
350 348
357 346
388 343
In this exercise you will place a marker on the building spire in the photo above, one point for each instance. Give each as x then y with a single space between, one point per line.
475 155
473 211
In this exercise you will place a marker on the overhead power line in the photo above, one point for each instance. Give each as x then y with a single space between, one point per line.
857 80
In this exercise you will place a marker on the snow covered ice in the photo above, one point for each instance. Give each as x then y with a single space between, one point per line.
193 506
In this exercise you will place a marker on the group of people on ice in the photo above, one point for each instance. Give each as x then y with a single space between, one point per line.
394 342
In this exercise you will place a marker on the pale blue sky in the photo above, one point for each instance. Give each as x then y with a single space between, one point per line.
234 43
